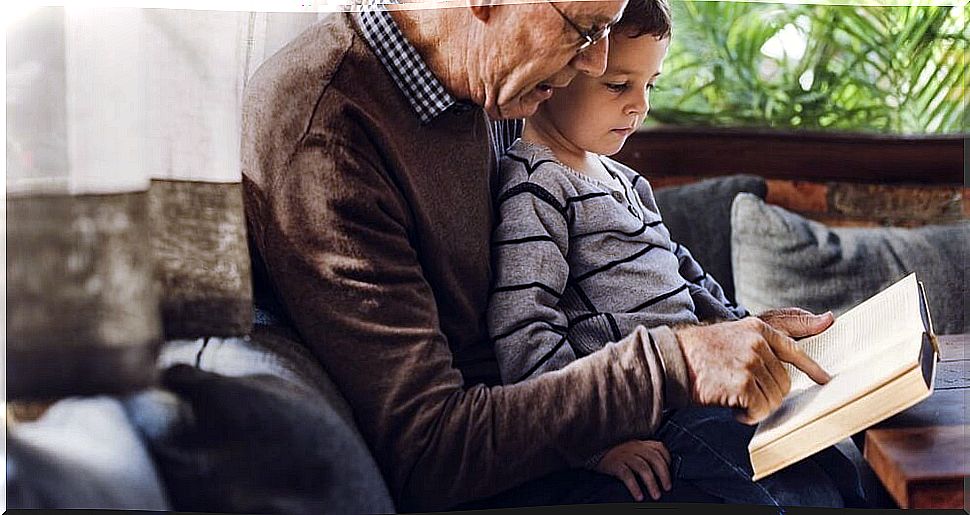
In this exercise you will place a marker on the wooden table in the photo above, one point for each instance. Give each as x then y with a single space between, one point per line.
922 455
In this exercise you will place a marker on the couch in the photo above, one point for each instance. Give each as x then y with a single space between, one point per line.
251 422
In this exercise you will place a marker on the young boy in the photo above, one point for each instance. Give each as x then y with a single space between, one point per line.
581 257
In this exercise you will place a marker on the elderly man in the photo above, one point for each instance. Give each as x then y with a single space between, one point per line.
368 171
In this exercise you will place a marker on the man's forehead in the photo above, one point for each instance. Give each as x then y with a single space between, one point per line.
605 9
598 12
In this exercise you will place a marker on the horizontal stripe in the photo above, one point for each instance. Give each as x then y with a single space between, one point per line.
657 299
519 287
612 264
534 190
558 329
543 360
637 232
580 198
697 280
524 240
583 318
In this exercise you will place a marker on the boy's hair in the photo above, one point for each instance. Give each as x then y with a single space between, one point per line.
645 17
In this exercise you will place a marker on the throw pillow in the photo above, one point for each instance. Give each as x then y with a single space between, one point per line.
783 259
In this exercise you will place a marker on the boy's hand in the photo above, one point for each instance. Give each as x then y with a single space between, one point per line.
648 459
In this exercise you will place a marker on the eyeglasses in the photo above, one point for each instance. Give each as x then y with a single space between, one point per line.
591 36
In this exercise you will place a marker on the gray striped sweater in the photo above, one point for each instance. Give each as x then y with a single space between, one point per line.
578 264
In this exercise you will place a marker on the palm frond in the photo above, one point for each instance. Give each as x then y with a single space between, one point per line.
862 68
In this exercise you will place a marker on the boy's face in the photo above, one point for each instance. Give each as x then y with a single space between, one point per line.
597 114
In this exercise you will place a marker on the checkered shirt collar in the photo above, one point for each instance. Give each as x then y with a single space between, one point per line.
423 90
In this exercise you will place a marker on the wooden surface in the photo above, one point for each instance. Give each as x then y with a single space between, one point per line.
922 455
797 155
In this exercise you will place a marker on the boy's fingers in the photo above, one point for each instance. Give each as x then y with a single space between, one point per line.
661 469
626 475
645 471
662 449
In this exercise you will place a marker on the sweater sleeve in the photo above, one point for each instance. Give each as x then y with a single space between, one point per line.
707 294
710 303
335 236
528 329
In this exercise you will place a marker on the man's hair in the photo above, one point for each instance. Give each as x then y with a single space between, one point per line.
645 17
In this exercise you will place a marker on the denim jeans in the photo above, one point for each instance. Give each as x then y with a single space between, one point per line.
709 449
580 486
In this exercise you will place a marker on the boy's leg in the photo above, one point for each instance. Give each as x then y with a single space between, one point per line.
580 486
710 449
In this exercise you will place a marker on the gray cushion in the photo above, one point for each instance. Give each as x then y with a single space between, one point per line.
698 216
258 424
783 259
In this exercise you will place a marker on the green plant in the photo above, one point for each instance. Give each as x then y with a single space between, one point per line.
895 69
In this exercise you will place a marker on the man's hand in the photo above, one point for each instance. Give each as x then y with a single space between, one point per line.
738 365
647 459
796 322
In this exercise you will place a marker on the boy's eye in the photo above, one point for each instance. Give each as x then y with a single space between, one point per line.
651 86
616 87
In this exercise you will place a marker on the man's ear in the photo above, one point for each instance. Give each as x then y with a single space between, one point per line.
481 9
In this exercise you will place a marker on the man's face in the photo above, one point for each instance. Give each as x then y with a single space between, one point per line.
531 50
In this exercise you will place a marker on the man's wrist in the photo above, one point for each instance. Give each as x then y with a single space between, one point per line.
671 356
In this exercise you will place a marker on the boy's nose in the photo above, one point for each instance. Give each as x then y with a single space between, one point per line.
639 106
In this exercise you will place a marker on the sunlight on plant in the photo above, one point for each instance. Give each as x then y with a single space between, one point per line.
898 69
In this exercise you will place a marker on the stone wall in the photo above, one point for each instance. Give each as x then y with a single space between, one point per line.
860 204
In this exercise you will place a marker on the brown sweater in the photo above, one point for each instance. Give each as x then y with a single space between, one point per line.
374 231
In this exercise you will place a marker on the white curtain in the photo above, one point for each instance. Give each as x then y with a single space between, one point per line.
102 100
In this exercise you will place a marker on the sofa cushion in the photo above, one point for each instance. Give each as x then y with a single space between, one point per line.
257 444
782 259
698 216
258 423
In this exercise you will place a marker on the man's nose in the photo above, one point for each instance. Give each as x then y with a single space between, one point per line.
592 61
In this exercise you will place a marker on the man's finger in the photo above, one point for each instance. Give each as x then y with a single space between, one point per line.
756 408
769 387
777 374
786 350
797 322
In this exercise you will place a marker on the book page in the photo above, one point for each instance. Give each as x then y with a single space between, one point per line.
886 319
853 382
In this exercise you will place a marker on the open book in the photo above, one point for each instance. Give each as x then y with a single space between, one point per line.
882 358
